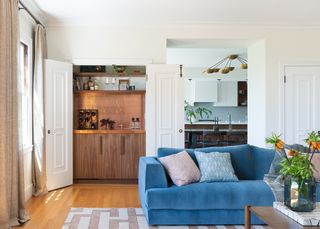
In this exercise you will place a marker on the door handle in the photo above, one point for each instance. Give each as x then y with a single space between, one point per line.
180 130
101 145
49 131
123 145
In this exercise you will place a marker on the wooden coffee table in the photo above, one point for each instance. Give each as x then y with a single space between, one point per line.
273 218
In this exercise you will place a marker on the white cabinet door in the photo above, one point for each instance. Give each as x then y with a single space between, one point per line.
302 110
58 120
206 91
164 107
189 91
227 94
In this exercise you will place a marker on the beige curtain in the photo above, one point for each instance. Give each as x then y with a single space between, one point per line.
39 153
12 209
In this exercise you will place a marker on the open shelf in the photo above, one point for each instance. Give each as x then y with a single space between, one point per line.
109 92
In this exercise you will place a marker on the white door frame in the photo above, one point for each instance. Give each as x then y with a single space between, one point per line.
283 65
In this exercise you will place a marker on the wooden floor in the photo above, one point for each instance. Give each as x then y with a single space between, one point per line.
49 211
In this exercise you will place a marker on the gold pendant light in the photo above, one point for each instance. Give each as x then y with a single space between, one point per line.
226 62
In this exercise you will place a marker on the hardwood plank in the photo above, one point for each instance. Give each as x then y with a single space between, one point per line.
49 211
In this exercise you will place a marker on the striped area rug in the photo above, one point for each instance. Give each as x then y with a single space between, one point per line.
122 218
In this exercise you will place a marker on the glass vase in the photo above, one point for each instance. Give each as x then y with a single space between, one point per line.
299 194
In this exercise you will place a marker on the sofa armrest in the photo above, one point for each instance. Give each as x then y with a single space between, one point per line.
151 174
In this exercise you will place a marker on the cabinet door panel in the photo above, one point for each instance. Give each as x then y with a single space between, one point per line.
110 163
227 94
86 156
133 146
206 91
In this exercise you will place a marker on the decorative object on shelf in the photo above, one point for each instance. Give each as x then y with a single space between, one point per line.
193 114
92 68
119 69
88 119
225 64
297 167
107 123
123 85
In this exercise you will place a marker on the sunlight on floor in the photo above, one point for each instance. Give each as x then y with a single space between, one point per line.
59 193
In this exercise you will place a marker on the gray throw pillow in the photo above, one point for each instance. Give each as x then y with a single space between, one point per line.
215 166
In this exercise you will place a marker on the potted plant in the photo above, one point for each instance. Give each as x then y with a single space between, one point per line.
193 114
297 169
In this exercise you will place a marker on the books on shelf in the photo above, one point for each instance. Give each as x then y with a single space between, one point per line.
303 218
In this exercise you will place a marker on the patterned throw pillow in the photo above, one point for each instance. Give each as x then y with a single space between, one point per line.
181 168
215 166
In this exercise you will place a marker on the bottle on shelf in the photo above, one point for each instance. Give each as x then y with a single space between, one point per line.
137 123
133 123
90 84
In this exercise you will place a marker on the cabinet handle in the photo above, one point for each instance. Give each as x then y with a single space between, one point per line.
101 145
123 145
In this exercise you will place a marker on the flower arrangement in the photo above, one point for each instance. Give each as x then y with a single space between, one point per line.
296 158
297 169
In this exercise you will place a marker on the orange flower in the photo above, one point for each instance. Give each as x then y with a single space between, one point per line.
292 153
314 145
279 144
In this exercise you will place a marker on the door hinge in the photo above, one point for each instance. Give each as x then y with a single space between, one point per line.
181 70
284 79
146 77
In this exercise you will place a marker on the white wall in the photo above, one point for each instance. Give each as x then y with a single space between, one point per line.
281 44
26 32
257 93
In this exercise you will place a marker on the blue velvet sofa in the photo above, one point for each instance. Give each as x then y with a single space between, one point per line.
206 203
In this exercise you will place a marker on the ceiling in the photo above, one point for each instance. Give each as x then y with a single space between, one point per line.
185 12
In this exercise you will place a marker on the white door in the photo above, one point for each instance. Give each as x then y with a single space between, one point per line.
164 107
58 118
301 111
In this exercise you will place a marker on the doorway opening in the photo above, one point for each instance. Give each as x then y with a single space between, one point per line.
216 104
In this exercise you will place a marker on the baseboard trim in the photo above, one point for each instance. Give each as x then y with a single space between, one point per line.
28 192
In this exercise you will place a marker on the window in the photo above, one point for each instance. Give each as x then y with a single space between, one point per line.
25 95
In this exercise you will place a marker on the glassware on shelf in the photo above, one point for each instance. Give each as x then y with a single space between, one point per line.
96 85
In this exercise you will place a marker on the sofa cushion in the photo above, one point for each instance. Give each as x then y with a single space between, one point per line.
163 152
263 159
216 195
181 168
215 167
241 159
